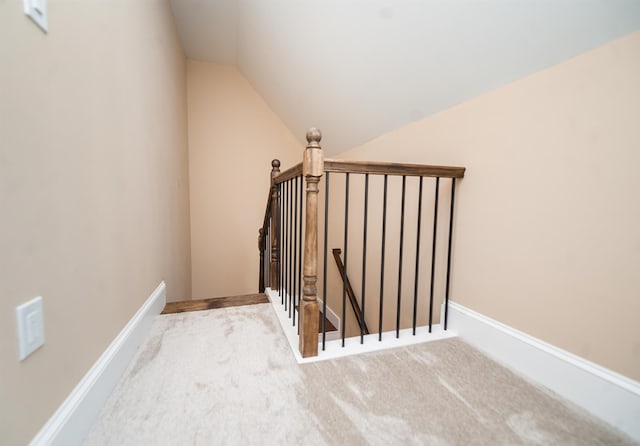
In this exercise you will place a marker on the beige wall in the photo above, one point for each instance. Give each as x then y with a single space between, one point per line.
547 233
233 136
93 187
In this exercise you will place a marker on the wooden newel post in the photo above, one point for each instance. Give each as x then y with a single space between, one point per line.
312 169
274 266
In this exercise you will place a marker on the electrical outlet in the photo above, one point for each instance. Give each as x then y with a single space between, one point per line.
37 11
30 318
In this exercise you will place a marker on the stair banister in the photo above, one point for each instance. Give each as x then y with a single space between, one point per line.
312 170
280 271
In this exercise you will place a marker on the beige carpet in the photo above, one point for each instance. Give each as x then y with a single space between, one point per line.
228 377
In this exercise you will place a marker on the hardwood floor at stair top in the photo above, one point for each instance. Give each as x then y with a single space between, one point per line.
215 302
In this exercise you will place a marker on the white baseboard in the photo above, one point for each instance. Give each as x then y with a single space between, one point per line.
71 422
606 394
333 345
331 316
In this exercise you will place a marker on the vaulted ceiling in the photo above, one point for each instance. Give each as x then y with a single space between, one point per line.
361 68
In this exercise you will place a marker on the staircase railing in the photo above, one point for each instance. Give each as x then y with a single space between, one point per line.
289 256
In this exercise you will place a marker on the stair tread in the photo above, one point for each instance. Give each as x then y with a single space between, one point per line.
329 326
214 302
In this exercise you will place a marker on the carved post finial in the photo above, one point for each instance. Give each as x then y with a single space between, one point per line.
314 136
275 165
313 161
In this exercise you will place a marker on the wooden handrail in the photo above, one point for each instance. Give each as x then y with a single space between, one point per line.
352 296
267 212
393 169
290 173
378 168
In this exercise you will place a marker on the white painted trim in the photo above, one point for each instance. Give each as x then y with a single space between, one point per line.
331 316
606 394
332 335
352 346
290 332
71 422
334 349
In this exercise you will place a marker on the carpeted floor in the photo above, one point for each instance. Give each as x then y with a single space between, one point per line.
227 376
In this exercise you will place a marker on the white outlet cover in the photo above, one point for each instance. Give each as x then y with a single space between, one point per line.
30 319
37 11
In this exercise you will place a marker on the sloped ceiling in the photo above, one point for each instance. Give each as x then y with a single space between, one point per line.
361 68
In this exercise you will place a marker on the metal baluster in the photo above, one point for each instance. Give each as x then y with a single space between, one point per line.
324 274
404 188
433 251
289 263
266 263
415 285
285 262
346 240
295 249
384 229
299 293
364 252
264 272
446 298
265 241
280 226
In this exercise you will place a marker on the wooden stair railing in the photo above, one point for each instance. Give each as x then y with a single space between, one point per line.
349 290
276 235
270 254
376 168
262 240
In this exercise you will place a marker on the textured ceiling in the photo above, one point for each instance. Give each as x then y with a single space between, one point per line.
361 68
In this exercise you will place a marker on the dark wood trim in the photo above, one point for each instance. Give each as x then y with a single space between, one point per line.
288 174
352 296
313 167
213 303
393 169
267 213
329 326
